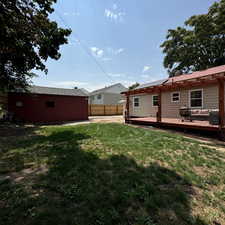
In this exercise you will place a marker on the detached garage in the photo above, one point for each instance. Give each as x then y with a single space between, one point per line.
45 104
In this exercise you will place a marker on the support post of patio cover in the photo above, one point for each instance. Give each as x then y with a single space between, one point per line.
221 104
159 114
127 112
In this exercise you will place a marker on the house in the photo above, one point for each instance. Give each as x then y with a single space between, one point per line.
46 104
110 95
161 102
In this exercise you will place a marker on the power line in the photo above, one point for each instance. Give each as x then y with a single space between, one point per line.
85 48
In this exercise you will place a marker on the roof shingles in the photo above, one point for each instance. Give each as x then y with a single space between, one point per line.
194 75
198 74
155 83
55 91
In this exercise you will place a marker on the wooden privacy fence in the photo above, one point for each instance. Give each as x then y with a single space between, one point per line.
105 110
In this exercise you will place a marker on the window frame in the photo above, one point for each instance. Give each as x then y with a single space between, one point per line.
196 107
176 92
153 101
48 104
99 96
136 97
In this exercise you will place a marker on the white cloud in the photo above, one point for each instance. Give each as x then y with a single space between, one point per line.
97 52
106 59
105 54
146 68
114 14
115 6
145 76
115 51
90 85
120 50
73 41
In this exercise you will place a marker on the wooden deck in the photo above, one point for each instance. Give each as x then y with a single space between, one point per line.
170 122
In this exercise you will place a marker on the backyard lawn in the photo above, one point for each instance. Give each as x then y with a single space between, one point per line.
101 174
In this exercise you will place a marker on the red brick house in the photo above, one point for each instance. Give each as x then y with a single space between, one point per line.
45 104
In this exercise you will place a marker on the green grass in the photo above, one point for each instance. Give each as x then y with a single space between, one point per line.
101 174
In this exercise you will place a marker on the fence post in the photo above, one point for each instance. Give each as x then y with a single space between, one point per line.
117 109
104 110
90 109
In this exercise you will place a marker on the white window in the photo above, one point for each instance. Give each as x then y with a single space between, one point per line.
136 102
99 96
155 100
175 97
196 98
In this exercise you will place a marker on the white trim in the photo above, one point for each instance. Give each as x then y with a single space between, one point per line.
153 101
197 107
175 92
136 107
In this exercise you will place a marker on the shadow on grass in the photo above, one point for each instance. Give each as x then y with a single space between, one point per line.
82 189
11 129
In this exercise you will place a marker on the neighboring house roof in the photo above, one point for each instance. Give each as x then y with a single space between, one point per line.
198 74
155 83
54 91
86 92
105 89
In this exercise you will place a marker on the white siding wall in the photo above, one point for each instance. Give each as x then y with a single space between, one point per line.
171 109
112 99
146 109
106 99
94 99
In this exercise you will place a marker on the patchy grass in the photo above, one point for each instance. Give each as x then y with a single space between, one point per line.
109 174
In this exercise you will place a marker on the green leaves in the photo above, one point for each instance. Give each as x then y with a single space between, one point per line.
27 39
199 45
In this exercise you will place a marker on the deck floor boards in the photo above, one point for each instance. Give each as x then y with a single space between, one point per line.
196 124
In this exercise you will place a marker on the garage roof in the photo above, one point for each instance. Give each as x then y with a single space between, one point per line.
54 91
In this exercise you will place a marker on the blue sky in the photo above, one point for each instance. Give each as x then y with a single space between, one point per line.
123 36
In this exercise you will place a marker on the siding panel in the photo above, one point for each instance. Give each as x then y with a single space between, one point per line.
146 109
112 99
34 109
171 109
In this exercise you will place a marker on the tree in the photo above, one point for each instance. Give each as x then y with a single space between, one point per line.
27 39
199 45
133 86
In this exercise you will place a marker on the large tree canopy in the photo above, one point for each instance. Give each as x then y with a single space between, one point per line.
133 86
27 39
199 45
